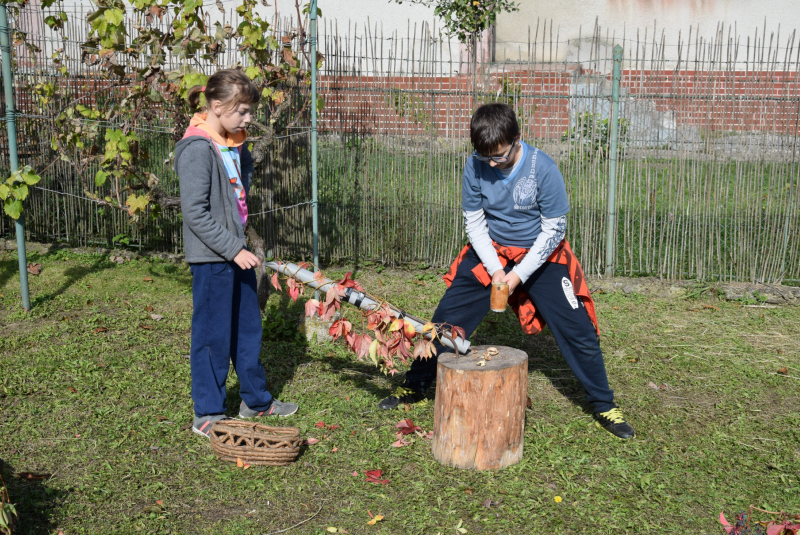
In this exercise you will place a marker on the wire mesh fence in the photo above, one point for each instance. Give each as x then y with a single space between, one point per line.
707 178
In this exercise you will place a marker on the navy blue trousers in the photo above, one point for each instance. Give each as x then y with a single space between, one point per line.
466 303
226 327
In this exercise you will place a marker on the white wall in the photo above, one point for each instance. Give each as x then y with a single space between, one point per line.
572 18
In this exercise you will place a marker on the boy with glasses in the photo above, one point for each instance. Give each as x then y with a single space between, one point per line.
515 204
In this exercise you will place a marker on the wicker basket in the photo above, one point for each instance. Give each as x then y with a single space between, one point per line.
255 443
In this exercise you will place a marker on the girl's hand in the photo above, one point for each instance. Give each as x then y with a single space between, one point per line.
246 260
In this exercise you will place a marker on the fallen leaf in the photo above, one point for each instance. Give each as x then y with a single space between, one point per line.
147 327
374 476
73 390
332 427
147 279
529 403
148 308
100 330
711 307
375 520
34 269
355 473
468 490
634 359
334 450
332 529
784 371
310 441
400 442
157 317
245 466
28 476
161 418
239 463
320 424
652 385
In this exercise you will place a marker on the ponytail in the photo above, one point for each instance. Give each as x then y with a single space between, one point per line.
193 96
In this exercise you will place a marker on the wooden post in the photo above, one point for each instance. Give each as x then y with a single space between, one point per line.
479 415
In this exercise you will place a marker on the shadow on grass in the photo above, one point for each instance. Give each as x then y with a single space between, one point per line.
73 275
8 269
34 500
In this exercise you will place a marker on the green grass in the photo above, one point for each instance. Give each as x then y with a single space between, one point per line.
106 415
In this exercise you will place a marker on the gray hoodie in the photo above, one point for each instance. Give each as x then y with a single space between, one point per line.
212 230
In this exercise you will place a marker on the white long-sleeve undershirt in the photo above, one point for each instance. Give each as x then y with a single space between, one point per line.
552 232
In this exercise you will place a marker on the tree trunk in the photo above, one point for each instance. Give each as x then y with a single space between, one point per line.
256 245
479 415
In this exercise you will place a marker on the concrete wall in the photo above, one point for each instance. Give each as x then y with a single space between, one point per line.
572 19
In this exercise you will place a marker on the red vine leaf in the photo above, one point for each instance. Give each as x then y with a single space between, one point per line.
275 282
407 427
374 476
312 307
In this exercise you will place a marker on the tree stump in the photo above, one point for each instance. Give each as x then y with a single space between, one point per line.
479 415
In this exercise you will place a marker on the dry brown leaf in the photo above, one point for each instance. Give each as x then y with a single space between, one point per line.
784 371
147 327
99 329
147 279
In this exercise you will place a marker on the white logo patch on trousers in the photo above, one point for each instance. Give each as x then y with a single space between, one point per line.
569 292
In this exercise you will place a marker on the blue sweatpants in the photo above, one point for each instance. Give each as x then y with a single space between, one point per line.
466 303
226 327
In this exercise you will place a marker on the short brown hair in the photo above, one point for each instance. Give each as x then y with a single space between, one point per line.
492 126
231 87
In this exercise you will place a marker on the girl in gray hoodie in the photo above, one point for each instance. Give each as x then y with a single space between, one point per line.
216 170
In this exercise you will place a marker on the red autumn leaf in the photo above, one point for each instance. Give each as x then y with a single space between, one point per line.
320 424
784 371
295 289
100 330
458 331
147 279
312 307
73 390
362 346
407 427
350 338
304 265
396 325
332 427
318 275
347 282
374 476
340 328
275 282
400 442
310 441
34 268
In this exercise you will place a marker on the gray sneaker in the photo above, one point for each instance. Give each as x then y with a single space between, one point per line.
202 425
276 408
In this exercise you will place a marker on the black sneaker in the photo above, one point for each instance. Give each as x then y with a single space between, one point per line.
402 395
614 423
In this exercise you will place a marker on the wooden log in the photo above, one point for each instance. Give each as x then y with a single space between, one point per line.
479 414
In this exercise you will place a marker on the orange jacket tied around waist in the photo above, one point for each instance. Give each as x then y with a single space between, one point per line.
530 319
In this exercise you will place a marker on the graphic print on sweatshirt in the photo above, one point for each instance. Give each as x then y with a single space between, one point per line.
233 166
526 189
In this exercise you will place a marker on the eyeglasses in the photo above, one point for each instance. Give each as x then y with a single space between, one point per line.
499 159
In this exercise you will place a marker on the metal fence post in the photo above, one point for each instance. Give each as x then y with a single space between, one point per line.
314 184
11 125
611 230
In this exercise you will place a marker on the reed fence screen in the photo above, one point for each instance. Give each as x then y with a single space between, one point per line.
708 163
